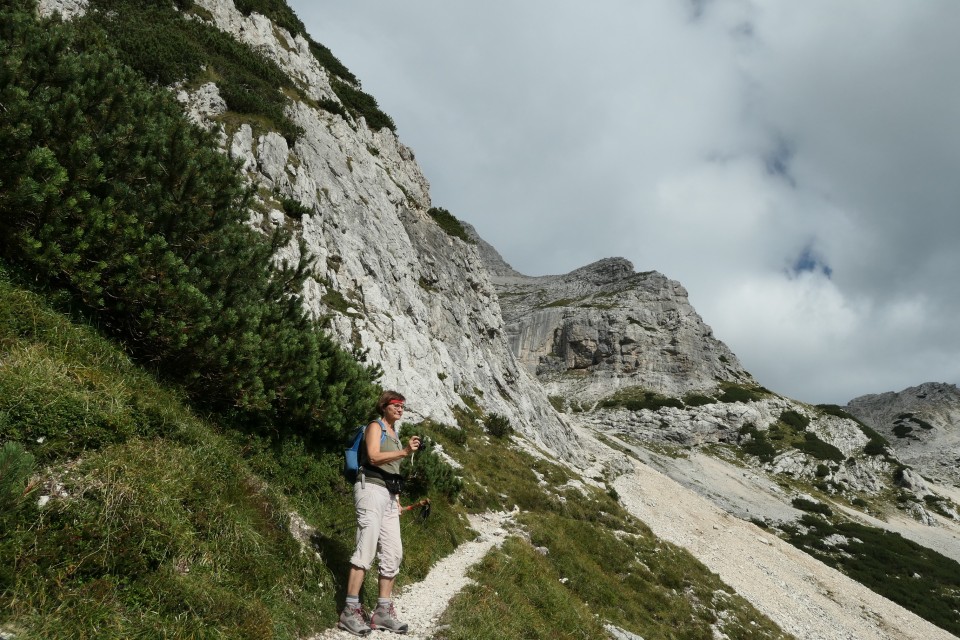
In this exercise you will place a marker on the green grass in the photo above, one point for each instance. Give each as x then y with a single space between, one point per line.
919 579
65 390
163 524
599 561
638 398
562 302
559 403
518 594
159 538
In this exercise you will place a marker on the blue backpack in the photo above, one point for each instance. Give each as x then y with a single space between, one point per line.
351 462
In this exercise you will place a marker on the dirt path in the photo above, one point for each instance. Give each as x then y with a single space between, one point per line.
421 604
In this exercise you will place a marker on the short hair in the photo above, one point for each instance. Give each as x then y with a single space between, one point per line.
385 399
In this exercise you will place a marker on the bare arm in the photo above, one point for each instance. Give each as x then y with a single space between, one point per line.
372 440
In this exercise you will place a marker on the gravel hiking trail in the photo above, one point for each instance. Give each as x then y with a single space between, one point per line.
421 604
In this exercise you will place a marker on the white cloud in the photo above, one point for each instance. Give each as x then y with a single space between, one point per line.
721 143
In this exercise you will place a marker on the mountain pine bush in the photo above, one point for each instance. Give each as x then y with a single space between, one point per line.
166 48
109 195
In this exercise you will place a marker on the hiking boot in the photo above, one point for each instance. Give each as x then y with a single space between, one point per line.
353 620
385 617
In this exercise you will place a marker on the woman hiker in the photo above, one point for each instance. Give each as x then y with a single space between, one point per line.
377 500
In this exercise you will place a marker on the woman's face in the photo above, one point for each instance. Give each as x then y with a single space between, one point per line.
394 410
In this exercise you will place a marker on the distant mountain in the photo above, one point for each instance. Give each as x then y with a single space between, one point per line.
922 424
604 327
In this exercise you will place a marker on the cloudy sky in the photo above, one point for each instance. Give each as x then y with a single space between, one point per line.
795 165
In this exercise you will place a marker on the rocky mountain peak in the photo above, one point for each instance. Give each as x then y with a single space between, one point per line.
604 326
605 271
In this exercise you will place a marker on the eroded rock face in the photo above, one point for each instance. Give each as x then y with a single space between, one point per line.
921 423
387 279
68 9
604 326
725 423
202 105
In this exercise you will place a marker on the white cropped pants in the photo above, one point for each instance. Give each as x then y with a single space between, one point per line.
378 527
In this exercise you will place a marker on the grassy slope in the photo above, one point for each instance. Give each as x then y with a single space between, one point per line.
581 560
161 523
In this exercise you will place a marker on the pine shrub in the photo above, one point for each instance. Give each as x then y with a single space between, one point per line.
330 62
794 420
811 506
498 425
278 11
814 446
449 223
166 48
362 104
427 473
108 194
637 399
733 392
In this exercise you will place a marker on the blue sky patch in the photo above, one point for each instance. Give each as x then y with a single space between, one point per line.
808 261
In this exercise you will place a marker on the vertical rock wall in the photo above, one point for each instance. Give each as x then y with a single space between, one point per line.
387 278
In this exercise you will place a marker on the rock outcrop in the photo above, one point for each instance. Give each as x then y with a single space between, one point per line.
922 424
604 326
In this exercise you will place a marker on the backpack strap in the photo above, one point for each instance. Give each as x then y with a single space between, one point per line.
383 436
383 430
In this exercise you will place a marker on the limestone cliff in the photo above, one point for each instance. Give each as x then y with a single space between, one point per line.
628 356
387 278
603 326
